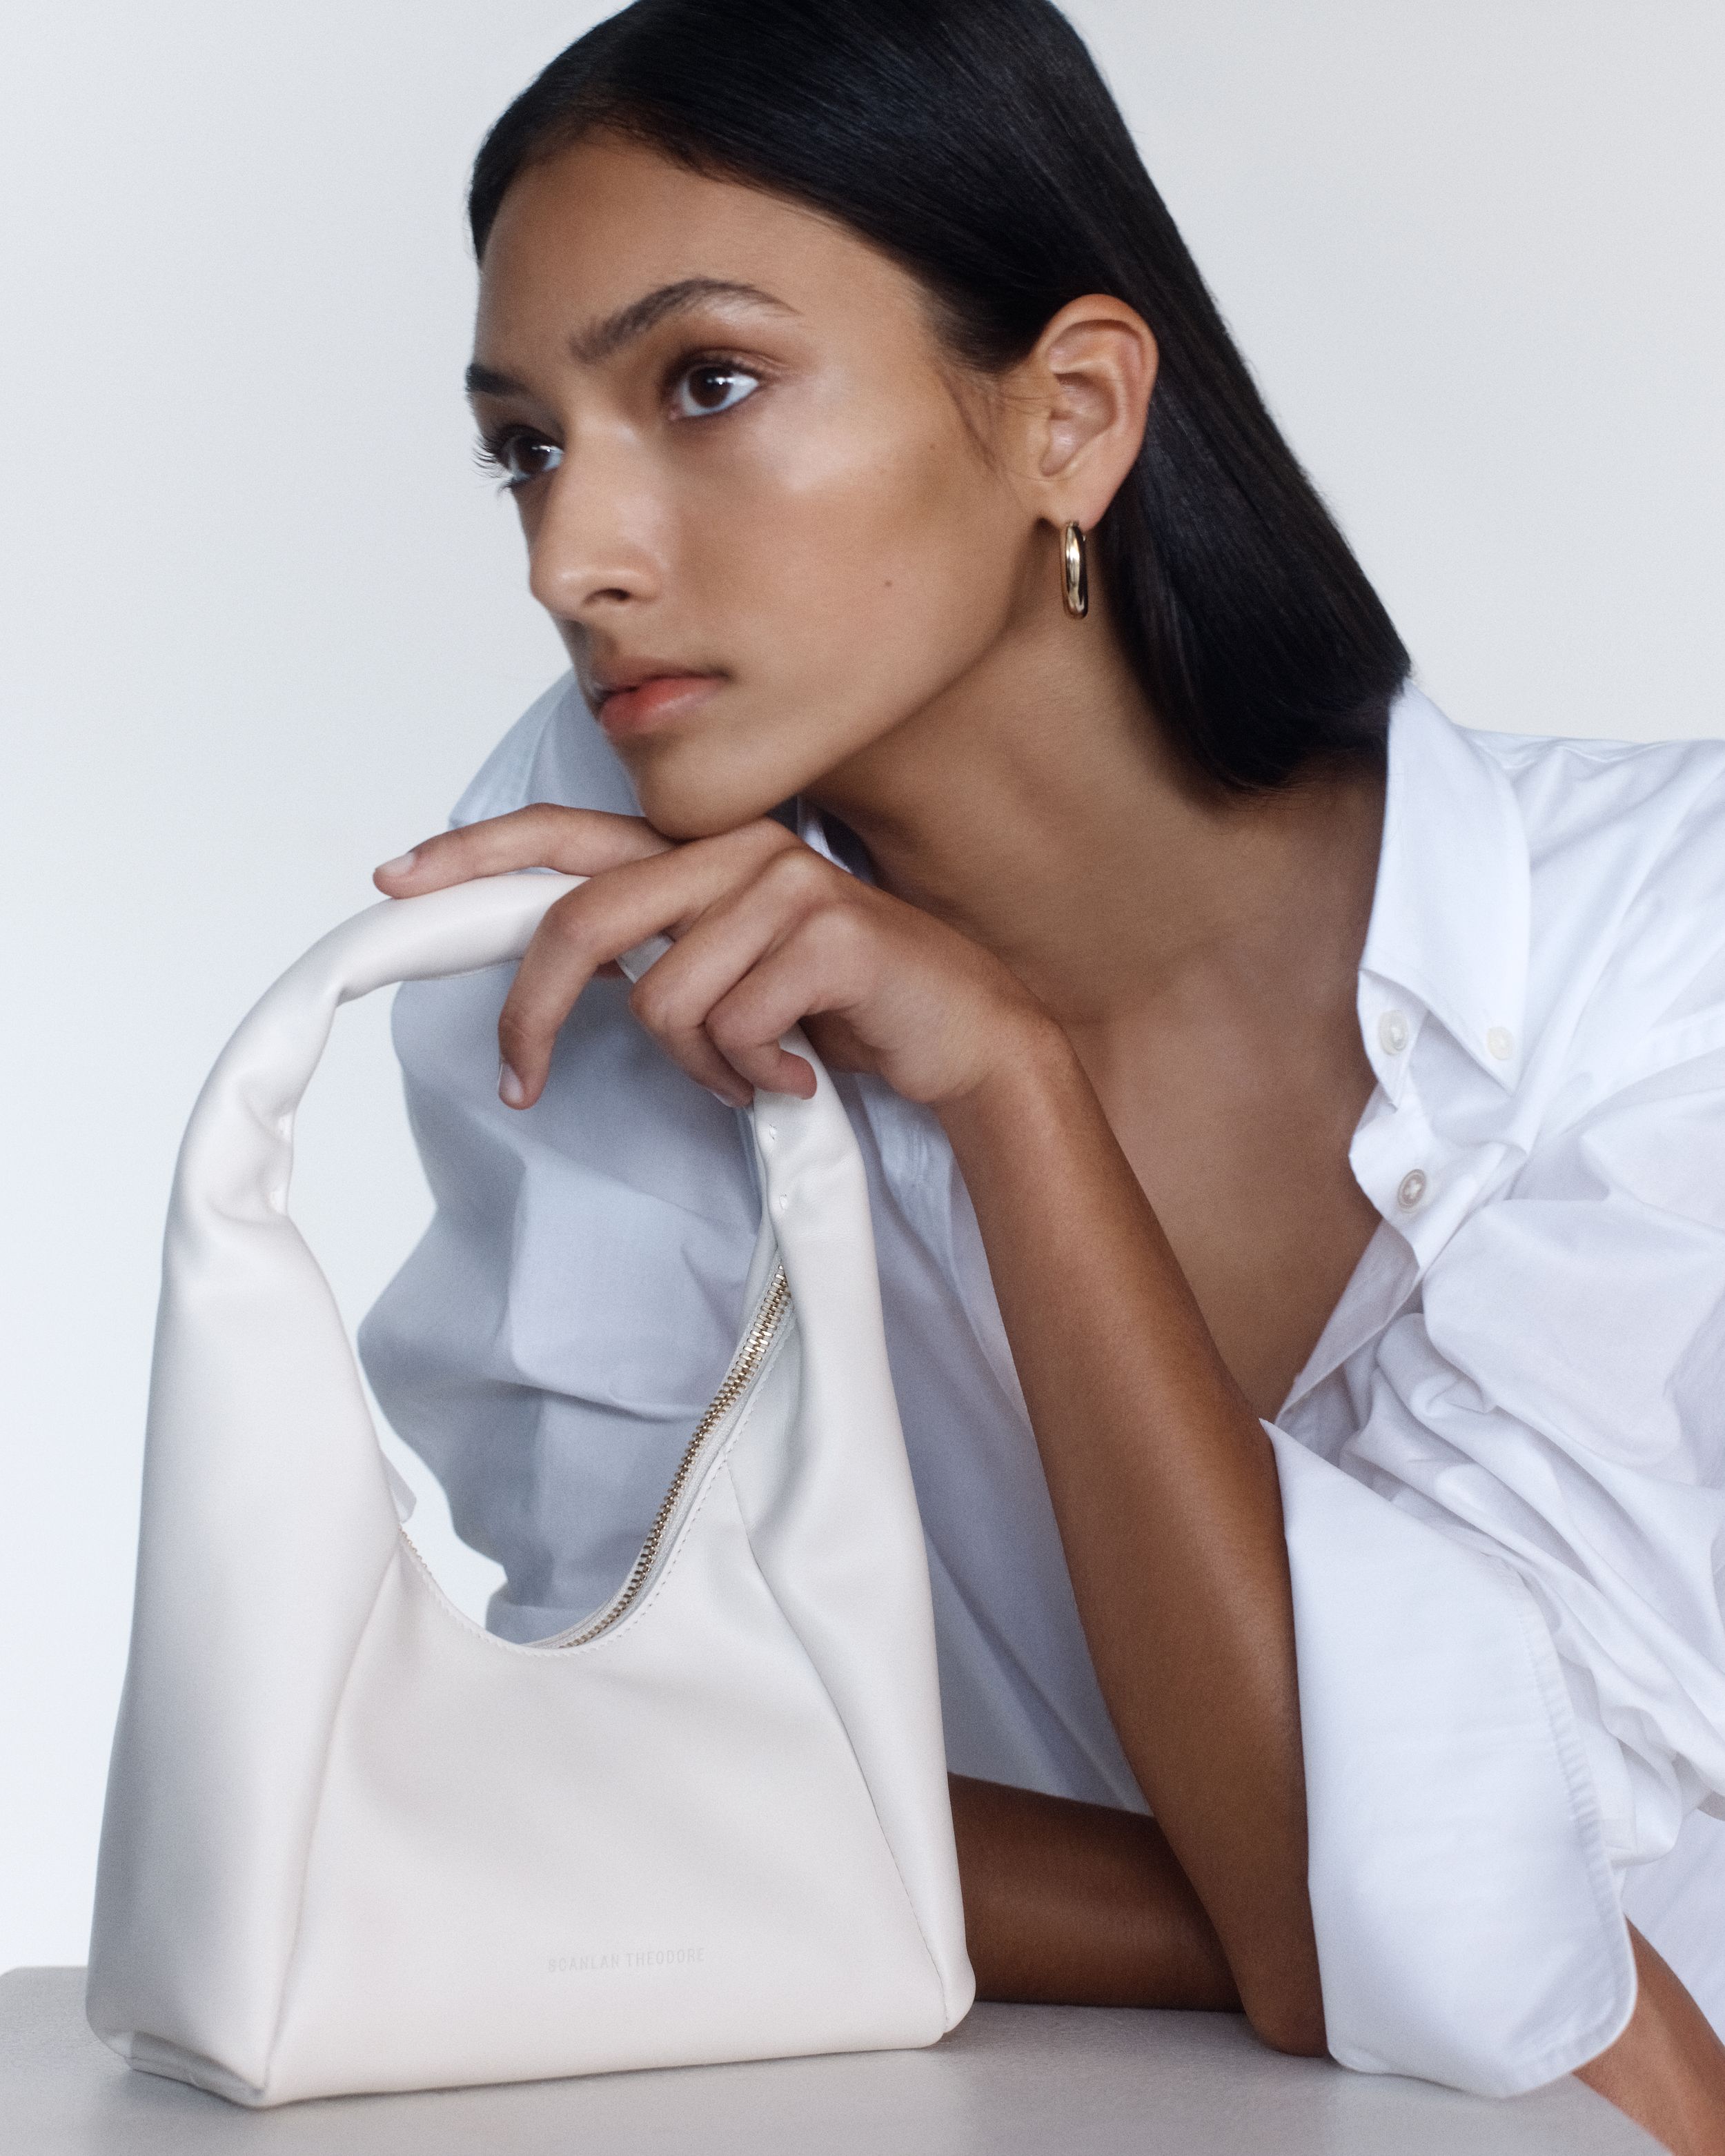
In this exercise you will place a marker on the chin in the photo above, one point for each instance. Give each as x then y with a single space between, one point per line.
697 795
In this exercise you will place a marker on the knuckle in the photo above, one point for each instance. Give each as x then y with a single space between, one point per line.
569 920
729 1031
532 833
514 1034
799 871
651 1005
833 939
768 837
838 929
448 850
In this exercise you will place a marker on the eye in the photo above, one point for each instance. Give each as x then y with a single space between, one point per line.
519 455
711 386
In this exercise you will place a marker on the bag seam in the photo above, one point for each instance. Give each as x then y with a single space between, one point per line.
291 1961
849 1743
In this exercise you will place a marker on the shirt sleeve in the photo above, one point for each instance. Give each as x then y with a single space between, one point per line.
1508 1587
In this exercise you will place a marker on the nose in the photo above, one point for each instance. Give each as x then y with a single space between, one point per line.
590 548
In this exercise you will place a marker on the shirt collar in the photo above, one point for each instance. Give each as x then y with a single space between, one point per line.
835 842
1450 919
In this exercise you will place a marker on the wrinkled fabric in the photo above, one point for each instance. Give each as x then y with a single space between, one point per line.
1514 1419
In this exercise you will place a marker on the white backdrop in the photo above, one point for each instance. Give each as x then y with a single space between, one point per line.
261 620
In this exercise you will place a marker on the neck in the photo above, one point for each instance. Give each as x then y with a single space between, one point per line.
1035 805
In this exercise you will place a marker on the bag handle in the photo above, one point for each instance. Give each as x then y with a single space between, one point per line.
243 1119
237 1152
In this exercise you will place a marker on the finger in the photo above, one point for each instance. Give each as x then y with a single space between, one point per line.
561 959
577 841
821 966
675 997
596 923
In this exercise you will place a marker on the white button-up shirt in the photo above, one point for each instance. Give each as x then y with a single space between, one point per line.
1503 1468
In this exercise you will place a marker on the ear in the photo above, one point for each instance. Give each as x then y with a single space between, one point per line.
1084 395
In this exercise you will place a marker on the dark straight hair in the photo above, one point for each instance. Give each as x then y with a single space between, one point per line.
975 143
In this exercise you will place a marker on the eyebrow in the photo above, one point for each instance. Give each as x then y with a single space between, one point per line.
487 382
603 339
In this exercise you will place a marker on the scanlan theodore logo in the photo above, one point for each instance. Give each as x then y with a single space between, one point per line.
639 1959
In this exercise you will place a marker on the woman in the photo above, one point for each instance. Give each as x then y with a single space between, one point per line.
1294 1123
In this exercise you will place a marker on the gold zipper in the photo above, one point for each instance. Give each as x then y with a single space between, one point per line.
739 1378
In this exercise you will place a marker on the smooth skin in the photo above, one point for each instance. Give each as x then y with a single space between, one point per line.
741 457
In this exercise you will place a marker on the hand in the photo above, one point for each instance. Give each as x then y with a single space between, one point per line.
766 934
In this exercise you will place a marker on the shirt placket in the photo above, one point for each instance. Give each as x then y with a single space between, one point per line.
1403 1165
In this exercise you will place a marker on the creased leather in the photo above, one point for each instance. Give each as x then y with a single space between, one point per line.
352 1841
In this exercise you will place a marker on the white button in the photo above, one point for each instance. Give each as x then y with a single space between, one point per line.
784 1202
1501 1042
1393 1032
1411 1190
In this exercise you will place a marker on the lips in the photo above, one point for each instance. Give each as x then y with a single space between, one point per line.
635 699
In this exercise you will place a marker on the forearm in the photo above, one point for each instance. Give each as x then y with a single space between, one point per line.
1078 1905
1666 2070
1164 1486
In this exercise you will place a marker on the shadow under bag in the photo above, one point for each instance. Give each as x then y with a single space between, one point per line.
354 1842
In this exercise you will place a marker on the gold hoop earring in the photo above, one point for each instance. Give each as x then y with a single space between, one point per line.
1075 572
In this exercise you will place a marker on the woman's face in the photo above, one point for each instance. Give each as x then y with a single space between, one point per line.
747 474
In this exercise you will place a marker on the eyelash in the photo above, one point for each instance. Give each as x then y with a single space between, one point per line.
492 452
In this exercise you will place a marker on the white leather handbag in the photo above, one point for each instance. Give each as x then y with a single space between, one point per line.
354 1842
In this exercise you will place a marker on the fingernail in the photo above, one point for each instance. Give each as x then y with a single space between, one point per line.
399 866
510 1088
726 1100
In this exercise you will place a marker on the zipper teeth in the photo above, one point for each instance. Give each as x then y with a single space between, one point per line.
755 1344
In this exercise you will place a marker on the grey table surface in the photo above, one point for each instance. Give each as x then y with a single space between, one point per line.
1079 2080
